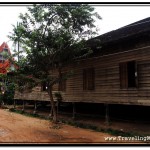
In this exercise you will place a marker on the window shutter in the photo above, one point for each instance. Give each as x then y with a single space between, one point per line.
91 79
123 75
88 79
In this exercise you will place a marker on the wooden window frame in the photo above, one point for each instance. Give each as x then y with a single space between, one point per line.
124 75
88 79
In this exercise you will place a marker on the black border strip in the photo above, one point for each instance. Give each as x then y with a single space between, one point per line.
65 3
129 4
60 2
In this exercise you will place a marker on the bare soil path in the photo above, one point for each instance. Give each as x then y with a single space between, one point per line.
16 128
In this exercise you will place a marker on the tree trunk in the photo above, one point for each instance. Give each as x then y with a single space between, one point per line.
60 77
52 104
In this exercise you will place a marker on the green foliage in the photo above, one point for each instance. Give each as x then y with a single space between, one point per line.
8 96
52 37
98 129
7 90
27 114
58 96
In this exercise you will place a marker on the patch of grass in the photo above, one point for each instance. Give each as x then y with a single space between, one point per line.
98 129
27 114
119 133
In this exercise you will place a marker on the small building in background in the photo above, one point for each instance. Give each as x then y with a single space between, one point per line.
5 64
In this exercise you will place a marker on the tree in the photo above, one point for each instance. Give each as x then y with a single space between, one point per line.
52 37
7 90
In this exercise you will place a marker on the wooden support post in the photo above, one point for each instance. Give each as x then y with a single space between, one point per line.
51 113
14 103
57 107
23 108
107 119
74 110
35 107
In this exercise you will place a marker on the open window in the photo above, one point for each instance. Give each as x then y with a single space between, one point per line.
44 86
128 74
89 79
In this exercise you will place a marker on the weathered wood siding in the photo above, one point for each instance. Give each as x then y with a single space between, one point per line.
107 79
36 94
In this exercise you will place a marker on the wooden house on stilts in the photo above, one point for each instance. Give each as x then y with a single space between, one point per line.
116 73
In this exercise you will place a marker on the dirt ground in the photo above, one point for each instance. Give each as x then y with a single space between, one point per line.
133 126
16 128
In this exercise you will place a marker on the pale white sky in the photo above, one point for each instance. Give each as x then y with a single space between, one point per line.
8 16
113 17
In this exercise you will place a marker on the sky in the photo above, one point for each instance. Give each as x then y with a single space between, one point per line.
8 17
113 17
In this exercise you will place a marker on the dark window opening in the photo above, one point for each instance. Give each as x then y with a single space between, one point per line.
131 74
5 50
44 86
2 58
128 74
89 79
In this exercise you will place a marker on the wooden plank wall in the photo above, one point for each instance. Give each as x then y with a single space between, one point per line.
107 80
36 94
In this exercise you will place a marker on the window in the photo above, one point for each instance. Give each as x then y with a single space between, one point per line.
44 86
128 74
1 57
62 83
5 50
88 79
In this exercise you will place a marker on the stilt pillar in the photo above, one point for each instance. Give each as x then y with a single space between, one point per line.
57 107
107 119
14 104
73 110
23 106
51 112
35 107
